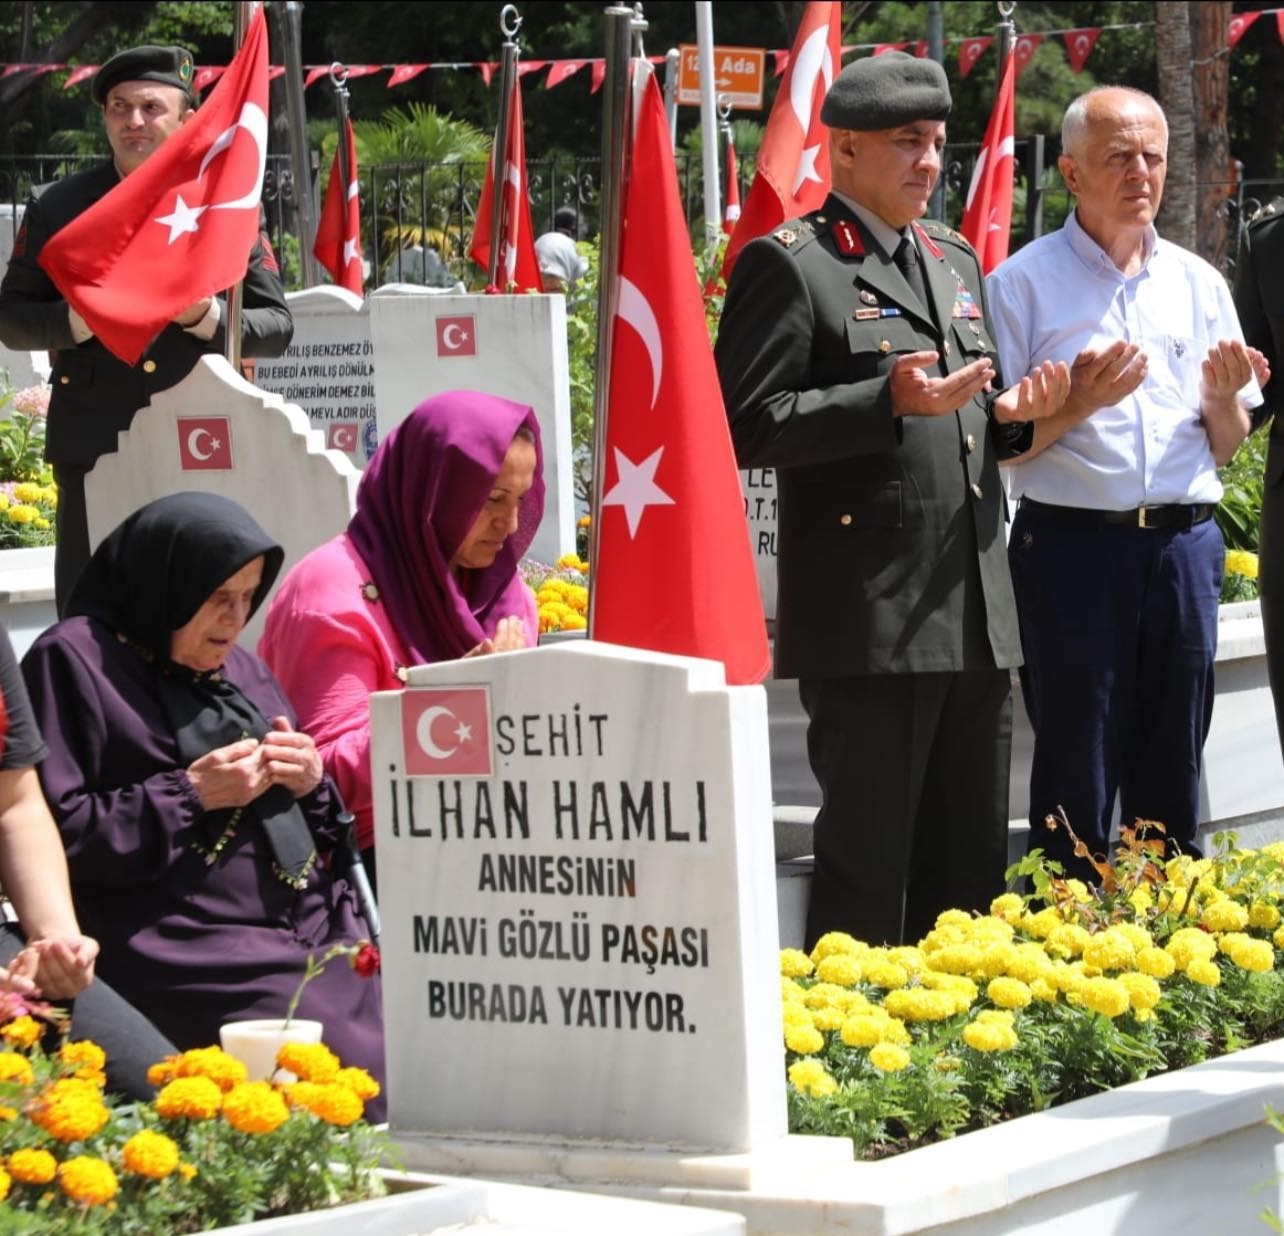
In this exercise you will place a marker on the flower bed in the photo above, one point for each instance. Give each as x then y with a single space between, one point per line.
561 592
1042 1001
28 496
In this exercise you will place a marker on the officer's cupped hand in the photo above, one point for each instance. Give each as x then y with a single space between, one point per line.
916 393
1038 395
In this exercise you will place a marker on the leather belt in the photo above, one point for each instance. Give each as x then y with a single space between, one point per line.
1176 515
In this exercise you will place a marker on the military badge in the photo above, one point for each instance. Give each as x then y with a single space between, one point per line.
786 237
965 305
867 297
863 315
848 240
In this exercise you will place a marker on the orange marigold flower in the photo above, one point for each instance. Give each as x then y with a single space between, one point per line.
212 1062
359 1082
308 1061
31 1165
69 1110
15 1068
334 1104
23 1031
150 1154
161 1072
255 1107
83 1055
190 1098
87 1180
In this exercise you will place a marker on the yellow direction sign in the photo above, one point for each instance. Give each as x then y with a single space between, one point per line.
738 74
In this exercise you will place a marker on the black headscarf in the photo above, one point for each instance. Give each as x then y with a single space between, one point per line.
149 578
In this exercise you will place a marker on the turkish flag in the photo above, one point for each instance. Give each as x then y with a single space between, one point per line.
732 211
561 70
970 51
445 732
342 436
1079 44
671 506
1024 48
338 243
793 160
404 73
518 265
181 226
987 216
204 443
1239 25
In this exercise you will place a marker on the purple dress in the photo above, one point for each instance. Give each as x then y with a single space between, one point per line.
190 943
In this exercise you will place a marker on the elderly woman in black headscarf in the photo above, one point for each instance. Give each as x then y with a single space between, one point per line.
198 826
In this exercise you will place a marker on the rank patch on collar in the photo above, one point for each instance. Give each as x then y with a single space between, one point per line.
786 236
848 240
965 305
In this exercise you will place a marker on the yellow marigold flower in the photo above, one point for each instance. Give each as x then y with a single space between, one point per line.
359 1082
840 968
821 995
575 623
22 514
1009 907
150 1154
836 942
15 1068
1143 991
789 990
1009 993
4 502
1241 562
1068 940
187 1171
989 1036
885 974
87 1180
23 1031
922 1004
862 1030
1205 972
26 491
888 1058
213 1062
1043 991
189 1098
1043 924
804 1040
811 1078
308 1061
584 521
1224 915
1155 962
953 918
1110 950
84 1055
69 1115
255 1107
795 1015
568 560
1251 954
1263 915
8 1113
5 1182
828 1018
908 956
334 1104
794 963
1278 938
1135 934
1106 996
957 959
1188 943
1028 961
1141 898
32 1165
945 1063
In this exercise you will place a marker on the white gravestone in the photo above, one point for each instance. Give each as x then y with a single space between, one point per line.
577 887
215 432
23 368
512 346
758 485
328 369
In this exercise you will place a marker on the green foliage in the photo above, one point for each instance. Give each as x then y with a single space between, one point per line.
1240 509
581 342
28 496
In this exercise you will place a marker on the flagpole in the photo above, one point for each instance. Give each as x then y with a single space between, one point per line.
671 58
243 10
615 144
708 122
339 80
499 153
1007 33
287 18
724 132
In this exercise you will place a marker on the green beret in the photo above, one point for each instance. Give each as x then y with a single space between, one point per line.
171 66
885 92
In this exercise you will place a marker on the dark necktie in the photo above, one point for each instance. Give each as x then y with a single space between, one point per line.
907 263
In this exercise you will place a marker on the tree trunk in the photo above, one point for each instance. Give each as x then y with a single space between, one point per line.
1177 216
1211 57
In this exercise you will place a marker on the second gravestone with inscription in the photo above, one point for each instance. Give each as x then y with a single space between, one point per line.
578 893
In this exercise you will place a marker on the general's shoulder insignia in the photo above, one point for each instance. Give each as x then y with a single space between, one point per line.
787 236
928 243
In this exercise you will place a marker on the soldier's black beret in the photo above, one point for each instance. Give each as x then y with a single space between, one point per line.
884 92
171 66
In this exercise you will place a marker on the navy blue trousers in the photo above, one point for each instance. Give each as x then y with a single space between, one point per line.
1119 631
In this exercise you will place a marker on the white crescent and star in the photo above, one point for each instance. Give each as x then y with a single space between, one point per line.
454 336
423 732
814 61
194 437
635 488
351 252
635 309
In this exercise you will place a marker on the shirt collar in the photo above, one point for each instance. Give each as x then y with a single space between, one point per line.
1094 257
888 237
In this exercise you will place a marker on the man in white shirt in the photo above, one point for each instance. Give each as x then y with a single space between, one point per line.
560 262
1116 561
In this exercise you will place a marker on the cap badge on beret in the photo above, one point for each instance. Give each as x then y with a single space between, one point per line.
170 66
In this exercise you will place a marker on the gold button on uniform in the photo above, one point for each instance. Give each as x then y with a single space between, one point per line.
149 366
65 380
844 520
947 347
976 489
971 443
885 346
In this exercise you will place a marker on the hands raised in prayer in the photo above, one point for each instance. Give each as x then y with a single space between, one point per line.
237 774
509 636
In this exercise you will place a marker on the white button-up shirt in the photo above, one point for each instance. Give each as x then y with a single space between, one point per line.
1062 293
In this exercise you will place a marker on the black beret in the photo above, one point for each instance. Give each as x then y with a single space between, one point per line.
884 92
171 66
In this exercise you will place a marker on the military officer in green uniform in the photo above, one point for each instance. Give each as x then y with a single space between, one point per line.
146 95
855 358
1259 301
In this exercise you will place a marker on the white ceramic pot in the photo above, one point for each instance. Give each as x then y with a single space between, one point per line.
255 1043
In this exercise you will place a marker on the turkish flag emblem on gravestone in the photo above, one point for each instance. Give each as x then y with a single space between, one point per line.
342 436
446 732
457 336
204 443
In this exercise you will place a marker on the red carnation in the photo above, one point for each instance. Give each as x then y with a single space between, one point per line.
365 961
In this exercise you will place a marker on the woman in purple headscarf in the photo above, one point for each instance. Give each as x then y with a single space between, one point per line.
426 571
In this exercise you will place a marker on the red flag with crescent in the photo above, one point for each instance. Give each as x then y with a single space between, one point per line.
518 265
793 160
181 226
671 506
1079 44
338 242
987 216
732 211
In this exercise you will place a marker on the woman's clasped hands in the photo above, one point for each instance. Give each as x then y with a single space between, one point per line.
238 773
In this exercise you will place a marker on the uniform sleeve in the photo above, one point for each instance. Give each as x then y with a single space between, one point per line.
114 833
1250 307
1010 440
266 325
778 416
33 314
23 745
